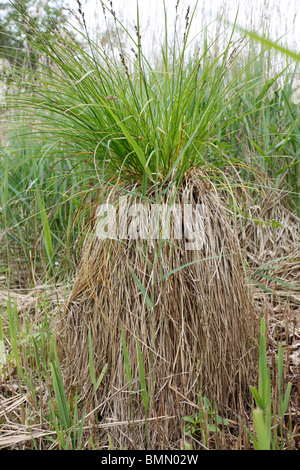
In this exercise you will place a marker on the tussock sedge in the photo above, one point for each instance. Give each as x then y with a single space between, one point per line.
156 346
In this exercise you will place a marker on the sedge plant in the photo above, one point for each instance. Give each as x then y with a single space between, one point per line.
265 413
155 133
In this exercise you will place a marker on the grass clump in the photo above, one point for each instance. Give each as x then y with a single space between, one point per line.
157 135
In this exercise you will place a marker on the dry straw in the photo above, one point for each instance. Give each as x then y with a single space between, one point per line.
196 336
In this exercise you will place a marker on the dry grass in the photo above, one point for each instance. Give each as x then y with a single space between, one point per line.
273 255
201 313
282 313
29 299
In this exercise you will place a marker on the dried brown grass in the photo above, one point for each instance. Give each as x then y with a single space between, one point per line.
202 314
273 256
27 300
